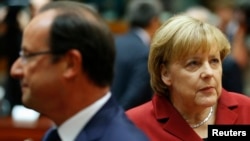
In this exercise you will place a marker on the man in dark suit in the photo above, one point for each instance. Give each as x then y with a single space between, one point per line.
66 69
131 85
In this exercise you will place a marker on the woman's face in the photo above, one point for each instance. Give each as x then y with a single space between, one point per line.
195 80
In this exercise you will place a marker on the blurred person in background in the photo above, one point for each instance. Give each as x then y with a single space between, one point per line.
235 64
202 13
131 86
109 9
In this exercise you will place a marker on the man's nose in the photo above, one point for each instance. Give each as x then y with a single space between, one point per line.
16 70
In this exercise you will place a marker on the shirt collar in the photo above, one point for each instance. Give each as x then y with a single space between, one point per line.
69 130
143 35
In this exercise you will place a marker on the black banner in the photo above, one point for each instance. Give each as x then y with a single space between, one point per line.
233 132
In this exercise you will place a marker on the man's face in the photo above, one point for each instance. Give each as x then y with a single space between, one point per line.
39 76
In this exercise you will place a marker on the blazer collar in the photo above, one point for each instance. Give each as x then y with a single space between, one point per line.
96 126
172 120
226 109
174 123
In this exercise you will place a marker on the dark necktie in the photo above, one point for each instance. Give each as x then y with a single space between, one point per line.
52 135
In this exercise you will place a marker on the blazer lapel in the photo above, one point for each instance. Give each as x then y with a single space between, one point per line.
225 109
82 136
178 127
174 124
97 125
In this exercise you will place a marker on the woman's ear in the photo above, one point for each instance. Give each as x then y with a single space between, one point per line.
165 75
73 63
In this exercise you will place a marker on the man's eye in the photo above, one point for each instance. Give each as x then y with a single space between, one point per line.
25 55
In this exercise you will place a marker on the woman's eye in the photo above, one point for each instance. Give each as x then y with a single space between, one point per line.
215 61
193 63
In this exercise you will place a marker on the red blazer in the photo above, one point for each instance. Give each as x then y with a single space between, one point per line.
161 121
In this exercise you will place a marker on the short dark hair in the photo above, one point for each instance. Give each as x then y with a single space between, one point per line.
140 13
77 26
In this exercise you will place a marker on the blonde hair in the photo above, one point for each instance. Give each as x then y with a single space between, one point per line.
179 37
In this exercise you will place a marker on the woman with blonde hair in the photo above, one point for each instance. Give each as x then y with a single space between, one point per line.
185 64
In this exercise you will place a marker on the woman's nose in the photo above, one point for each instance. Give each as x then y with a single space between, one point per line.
207 70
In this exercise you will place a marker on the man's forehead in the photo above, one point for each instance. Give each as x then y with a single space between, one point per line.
43 19
37 32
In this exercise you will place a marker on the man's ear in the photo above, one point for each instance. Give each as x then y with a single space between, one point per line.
165 75
73 63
